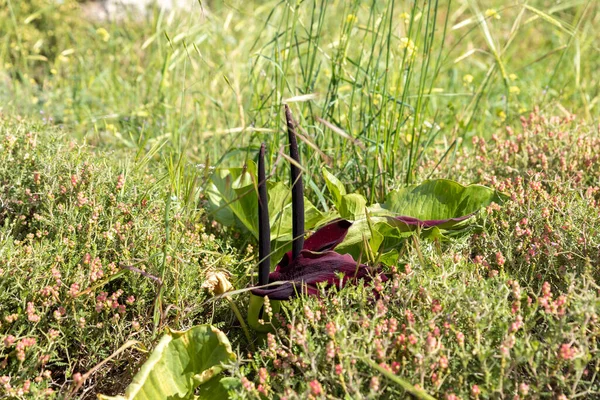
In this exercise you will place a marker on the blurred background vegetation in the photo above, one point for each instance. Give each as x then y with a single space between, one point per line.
380 88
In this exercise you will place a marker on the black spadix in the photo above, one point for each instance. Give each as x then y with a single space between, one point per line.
297 188
264 227
312 261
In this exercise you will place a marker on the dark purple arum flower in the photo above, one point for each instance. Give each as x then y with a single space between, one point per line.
312 261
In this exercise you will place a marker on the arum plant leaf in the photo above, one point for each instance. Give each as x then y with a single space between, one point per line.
233 201
440 202
217 388
180 363
438 209
353 206
335 186
230 197
388 232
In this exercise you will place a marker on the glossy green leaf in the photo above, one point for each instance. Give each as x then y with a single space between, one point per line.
353 206
234 189
217 388
439 199
335 187
232 197
256 314
389 234
180 363
438 209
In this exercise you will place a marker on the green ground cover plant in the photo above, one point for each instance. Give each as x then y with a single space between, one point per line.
86 265
128 198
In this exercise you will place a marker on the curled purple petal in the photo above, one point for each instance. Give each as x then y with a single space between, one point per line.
284 291
325 238
328 237
309 269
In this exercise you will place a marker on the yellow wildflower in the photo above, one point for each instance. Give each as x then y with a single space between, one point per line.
492 13
406 17
103 33
377 99
468 79
514 90
409 45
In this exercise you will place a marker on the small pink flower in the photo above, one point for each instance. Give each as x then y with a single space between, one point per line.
330 350
309 314
74 290
120 182
567 352
430 343
436 306
412 339
546 290
315 388
9 340
374 384
475 391
263 375
515 326
26 386
77 378
443 362
500 260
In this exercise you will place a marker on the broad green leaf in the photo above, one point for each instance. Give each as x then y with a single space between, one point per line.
234 189
180 363
390 233
445 206
439 199
353 206
335 187
217 388
389 258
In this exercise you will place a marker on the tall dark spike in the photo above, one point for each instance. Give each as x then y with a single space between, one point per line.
264 228
297 188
